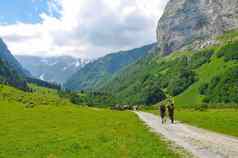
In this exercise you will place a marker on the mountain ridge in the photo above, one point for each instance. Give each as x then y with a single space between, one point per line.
96 72
7 57
52 69
187 53
11 72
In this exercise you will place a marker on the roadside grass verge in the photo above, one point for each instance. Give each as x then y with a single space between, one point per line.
223 121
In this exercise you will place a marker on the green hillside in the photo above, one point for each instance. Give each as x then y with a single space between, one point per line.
222 63
94 74
11 77
7 57
184 75
37 97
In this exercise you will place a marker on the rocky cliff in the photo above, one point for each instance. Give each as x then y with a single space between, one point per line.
187 21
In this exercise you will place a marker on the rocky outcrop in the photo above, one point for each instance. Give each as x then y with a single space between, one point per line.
187 21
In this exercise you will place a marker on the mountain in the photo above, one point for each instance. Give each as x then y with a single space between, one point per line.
94 74
194 23
7 57
208 75
11 72
52 69
196 60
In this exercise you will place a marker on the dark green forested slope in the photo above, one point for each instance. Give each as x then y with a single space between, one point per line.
7 57
11 77
11 72
94 74
192 77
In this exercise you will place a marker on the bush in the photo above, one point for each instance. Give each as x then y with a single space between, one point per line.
229 51
181 81
201 57
223 88
202 107
203 89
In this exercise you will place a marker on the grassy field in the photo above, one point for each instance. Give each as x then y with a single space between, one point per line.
219 120
69 131
39 97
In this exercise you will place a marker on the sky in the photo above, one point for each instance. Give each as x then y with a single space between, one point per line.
82 28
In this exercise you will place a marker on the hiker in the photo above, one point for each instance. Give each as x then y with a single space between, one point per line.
162 113
170 108
135 108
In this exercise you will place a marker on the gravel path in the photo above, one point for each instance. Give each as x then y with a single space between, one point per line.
201 143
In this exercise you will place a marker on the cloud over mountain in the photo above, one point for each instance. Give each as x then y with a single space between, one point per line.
86 29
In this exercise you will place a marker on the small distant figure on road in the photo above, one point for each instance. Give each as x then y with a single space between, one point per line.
163 113
170 108
135 108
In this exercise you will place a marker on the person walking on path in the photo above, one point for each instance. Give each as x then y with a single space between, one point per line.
170 108
163 113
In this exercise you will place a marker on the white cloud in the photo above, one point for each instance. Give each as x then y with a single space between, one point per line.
86 28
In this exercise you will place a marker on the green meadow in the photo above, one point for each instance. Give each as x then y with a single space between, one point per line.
55 130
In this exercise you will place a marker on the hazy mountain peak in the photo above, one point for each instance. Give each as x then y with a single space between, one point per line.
53 69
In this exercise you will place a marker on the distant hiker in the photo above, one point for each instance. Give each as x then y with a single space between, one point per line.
162 113
135 108
170 108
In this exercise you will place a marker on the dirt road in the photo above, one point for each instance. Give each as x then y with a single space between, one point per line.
201 143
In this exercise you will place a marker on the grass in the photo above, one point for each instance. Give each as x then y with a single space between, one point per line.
39 96
223 121
205 73
69 131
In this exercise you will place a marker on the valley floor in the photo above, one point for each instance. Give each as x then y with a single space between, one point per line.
43 125
50 131
201 143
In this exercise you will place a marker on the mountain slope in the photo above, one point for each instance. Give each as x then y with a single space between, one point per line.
11 72
182 75
192 59
7 57
52 69
217 79
94 74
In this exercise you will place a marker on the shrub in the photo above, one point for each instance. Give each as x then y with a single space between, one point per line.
223 88
181 81
229 51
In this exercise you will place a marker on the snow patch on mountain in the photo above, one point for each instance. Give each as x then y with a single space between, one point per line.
42 77
52 69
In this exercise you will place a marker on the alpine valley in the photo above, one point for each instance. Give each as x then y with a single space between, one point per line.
195 60
174 98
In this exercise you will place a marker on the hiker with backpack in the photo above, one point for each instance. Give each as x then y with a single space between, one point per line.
163 113
170 109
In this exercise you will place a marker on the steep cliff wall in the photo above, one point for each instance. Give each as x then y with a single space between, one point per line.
186 21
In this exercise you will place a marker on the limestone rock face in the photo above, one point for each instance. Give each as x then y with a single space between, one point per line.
186 21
